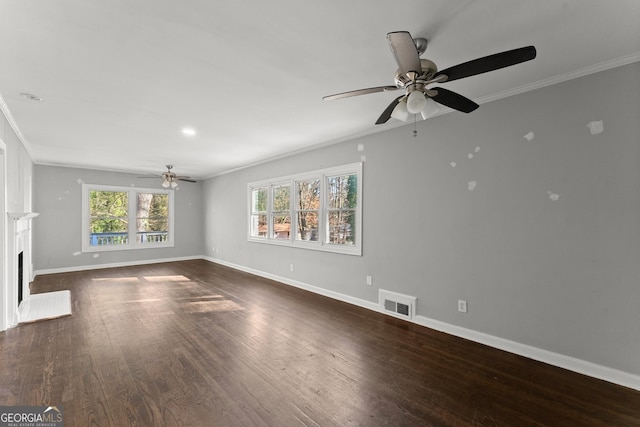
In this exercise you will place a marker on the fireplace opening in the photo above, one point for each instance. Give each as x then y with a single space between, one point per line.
20 274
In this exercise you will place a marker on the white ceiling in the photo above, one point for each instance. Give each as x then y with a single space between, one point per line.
120 78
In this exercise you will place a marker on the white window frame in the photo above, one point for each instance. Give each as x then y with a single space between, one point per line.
132 217
271 213
295 210
253 213
322 243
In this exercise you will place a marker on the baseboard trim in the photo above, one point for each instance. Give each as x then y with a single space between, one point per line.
556 359
301 285
580 366
111 265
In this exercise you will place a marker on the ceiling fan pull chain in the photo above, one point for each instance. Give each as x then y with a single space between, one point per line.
415 131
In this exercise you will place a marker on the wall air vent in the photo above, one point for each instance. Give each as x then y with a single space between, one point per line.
398 305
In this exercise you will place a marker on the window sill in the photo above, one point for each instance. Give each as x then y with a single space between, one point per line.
111 248
314 246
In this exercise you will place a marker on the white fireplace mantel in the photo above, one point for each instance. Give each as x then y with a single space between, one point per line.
20 242
22 215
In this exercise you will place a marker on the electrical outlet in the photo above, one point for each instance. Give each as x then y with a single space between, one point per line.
290 267
462 306
369 280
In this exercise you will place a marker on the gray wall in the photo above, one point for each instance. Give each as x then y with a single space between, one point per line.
559 275
57 231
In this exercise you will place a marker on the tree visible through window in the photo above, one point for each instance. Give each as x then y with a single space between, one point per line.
307 209
342 194
125 218
258 219
281 212
109 217
152 222
315 210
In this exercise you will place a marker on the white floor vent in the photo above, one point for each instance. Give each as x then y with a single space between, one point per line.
395 304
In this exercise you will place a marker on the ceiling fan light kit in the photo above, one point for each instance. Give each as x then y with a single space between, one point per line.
414 75
416 101
401 112
430 109
169 182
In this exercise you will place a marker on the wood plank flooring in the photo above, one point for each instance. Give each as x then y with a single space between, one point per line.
197 344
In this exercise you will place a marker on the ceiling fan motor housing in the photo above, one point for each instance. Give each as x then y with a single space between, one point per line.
429 68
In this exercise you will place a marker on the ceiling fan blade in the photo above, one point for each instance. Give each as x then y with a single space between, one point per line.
405 51
359 92
185 179
454 100
386 114
488 63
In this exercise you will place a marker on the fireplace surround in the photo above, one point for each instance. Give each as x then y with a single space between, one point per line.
19 267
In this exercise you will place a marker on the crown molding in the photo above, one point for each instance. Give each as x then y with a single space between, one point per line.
592 69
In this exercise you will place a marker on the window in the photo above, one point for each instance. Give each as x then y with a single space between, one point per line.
307 209
117 218
342 200
317 210
152 217
258 220
281 212
108 217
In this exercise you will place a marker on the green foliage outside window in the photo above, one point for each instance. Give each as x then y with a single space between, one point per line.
109 217
152 212
343 201
108 211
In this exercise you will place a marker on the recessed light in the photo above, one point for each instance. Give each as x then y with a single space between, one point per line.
188 131
31 97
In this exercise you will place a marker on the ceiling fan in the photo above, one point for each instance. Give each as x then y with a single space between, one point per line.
414 75
170 179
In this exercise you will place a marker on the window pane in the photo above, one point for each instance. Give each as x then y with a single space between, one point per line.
258 225
281 227
281 214
108 217
281 198
307 226
152 231
152 217
342 227
259 199
342 191
307 209
308 193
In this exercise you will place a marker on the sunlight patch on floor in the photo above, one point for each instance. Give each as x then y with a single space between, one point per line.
175 278
213 306
115 280
144 300
202 297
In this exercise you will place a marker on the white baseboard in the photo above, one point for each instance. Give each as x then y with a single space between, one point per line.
111 265
315 289
556 359
580 366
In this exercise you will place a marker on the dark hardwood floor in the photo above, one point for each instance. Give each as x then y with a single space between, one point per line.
196 344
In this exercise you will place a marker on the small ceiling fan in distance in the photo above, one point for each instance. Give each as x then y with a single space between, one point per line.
170 179
415 75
